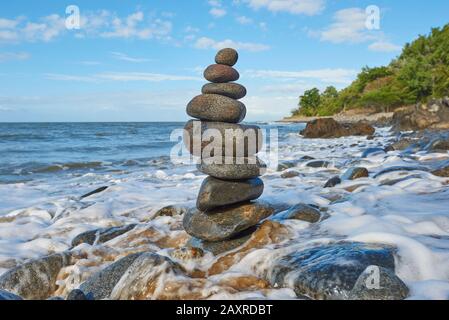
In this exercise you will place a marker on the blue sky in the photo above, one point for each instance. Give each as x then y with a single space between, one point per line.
143 60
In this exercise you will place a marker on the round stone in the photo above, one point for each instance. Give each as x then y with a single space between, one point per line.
230 90
224 223
233 168
219 73
227 56
232 140
213 107
217 193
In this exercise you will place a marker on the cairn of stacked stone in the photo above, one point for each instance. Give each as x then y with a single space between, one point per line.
226 213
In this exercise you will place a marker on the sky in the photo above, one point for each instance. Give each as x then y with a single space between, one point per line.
143 60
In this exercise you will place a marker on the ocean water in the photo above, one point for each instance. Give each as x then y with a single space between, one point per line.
45 168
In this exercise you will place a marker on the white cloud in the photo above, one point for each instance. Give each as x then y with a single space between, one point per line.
384 46
101 23
125 57
339 75
14 56
348 26
134 26
218 12
244 20
307 7
208 43
121 76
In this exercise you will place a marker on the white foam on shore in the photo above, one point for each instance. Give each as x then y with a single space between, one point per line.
40 217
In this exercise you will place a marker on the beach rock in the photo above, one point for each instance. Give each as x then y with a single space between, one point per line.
5 295
400 168
355 173
139 282
78 295
306 158
438 145
171 211
225 223
242 140
36 279
329 128
389 287
433 115
234 168
214 107
372 151
101 189
56 298
227 56
219 73
443 172
282 165
187 253
217 193
332 182
101 284
318 164
290 174
301 212
219 247
101 235
230 90
329 271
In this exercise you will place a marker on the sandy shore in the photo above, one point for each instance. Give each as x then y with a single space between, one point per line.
343 117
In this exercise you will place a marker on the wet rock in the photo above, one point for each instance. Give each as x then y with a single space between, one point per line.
230 90
101 284
433 115
220 247
372 151
400 168
78 295
242 140
224 223
290 174
329 128
57 298
214 107
305 158
389 148
355 173
329 271
388 287
443 172
101 235
219 73
171 211
94 192
217 193
301 212
283 165
139 282
318 164
234 168
188 253
5 295
227 56
36 279
332 182
438 145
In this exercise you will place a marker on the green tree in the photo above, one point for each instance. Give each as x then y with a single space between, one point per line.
309 102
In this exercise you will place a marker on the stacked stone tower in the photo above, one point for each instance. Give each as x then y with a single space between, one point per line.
225 213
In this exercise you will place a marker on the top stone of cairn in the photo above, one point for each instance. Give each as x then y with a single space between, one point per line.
227 57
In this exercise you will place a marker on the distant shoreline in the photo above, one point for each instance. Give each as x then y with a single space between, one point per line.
342 117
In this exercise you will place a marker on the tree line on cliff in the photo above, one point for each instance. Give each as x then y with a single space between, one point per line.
420 73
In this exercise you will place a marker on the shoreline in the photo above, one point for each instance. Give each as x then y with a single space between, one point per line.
342 117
